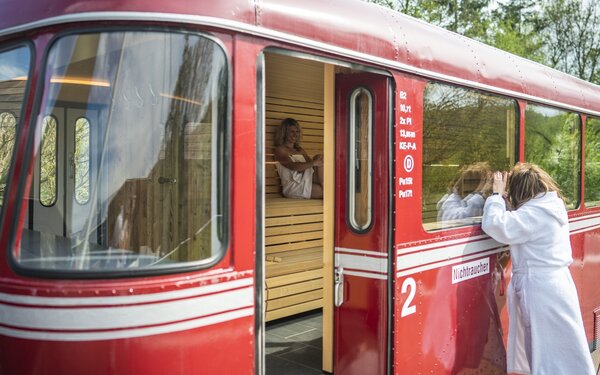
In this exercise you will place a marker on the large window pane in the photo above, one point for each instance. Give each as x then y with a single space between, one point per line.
592 162
14 70
467 134
143 155
553 141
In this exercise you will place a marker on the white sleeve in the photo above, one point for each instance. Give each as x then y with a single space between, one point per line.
508 227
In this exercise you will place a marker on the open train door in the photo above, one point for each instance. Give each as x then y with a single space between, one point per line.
362 224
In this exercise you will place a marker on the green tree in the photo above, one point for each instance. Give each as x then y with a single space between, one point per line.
570 32
563 34
517 29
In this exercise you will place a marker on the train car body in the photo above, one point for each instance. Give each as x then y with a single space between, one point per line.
143 229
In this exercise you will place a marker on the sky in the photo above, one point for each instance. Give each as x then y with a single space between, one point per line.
14 63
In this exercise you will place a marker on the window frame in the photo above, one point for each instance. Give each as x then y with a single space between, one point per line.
515 143
351 178
223 163
596 120
579 152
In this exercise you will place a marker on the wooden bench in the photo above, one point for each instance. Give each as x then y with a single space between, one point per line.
294 256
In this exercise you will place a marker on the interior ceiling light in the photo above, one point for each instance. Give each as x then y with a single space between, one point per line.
180 98
80 81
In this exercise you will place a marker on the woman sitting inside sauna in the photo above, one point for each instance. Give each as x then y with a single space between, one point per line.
296 169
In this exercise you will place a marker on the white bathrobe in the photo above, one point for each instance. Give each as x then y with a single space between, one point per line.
545 333
295 184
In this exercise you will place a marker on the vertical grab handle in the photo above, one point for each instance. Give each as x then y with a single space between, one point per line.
71 165
339 287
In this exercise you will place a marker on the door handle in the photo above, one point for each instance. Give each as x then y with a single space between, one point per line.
339 287
166 180
71 165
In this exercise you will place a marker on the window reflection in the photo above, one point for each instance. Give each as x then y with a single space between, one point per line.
592 162
144 164
466 135
8 123
553 141
81 160
466 194
14 70
48 162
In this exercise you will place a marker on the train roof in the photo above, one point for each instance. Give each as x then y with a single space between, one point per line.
364 31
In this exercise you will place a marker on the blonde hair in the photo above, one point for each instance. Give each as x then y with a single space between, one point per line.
282 130
470 177
527 180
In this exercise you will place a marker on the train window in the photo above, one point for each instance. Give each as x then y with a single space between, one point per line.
592 162
14 70
81 160
48 161
141 187
467 134
8 124
360 143
553 141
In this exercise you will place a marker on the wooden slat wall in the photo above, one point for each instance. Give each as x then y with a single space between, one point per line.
11 96
294 88
294 227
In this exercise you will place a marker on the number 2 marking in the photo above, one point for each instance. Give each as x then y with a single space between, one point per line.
407 309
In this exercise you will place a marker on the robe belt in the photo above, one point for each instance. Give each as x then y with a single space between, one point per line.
532 270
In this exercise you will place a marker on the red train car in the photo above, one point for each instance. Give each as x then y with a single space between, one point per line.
143 229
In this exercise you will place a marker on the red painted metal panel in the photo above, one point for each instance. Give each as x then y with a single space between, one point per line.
448 321
185 352
361 327
441 325
381 33
146 337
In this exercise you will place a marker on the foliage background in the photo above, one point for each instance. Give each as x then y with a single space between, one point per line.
563 34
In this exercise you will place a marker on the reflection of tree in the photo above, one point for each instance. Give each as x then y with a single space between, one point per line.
7 142
463 127
48 162
592 161
81 160
168 207
552 140
189 151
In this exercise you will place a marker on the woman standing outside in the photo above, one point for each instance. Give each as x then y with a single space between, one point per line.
545 333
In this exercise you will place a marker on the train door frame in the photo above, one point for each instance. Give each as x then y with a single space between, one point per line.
364 252
330 66
329 191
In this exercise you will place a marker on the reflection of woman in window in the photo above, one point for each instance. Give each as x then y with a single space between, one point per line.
467 195
294 166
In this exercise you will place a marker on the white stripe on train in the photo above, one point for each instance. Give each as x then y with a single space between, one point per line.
362 263
126 300
45 318
127 333
434 255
